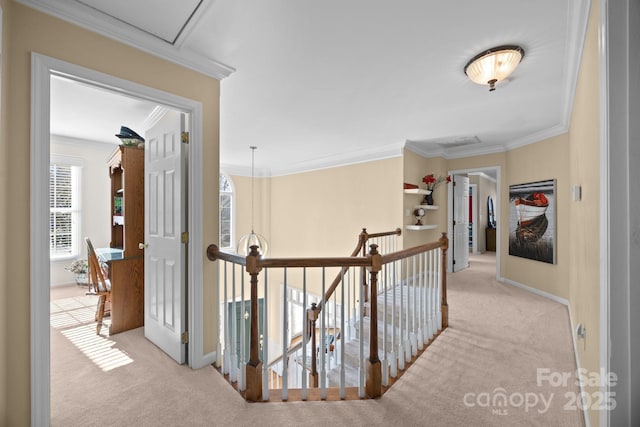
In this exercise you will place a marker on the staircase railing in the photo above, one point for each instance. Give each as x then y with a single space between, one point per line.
406 292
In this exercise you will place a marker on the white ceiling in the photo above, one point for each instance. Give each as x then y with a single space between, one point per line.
316 84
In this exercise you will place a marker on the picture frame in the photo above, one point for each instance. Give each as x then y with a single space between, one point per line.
532 221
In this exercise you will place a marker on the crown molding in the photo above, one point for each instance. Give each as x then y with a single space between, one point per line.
155 116
424 151
69 140
83 16
342 159
238 170
532 138
578 20
476 151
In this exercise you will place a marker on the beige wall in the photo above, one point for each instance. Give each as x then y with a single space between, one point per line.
584 165
61 40
415 168
321 213
548 159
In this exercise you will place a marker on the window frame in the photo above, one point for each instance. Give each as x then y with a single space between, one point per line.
232 208
76 164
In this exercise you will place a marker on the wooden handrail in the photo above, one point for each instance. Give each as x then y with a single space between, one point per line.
406 253
372 261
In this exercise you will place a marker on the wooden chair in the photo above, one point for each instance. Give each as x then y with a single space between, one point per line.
98 284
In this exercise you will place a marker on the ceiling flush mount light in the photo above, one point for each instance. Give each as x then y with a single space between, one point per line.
493 65
252 239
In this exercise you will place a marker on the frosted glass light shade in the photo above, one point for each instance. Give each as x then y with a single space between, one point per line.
251 239
494 65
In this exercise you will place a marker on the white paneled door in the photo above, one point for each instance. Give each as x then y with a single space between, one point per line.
460 222
164 258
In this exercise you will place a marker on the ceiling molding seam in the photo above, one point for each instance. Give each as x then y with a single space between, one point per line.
340 160
103 24
578 20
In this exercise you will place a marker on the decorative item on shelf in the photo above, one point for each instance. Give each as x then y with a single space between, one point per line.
432 182
428 198
129 137
408 186
252 239
419 214
79 267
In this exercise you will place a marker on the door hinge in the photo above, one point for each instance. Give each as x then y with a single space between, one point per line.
454 262
185 237
454 222
184 337
185 137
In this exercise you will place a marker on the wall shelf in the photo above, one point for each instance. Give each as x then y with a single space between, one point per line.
428 207
415 191
420 227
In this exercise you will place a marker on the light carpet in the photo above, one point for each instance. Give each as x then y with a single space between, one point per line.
482 371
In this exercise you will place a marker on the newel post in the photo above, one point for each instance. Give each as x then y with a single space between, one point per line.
445 307
253 392
373 385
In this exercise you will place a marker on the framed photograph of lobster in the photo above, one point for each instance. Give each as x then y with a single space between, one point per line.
532 220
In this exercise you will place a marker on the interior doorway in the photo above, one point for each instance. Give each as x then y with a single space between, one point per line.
484 231
43 68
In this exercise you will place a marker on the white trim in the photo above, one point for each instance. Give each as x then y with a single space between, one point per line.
484 175
39 248
497 213
605 253
474 218
42 67
547 295
234 196
63 159
90 19
155 116
341 159
69 140
585 408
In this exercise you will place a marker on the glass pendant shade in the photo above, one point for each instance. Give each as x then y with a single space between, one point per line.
251 239
494 65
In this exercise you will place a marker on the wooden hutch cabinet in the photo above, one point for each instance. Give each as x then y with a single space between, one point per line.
126 261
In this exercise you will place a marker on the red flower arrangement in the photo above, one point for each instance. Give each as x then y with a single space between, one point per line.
433 182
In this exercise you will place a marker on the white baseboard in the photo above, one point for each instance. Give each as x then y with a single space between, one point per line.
206 359
548 295
572 328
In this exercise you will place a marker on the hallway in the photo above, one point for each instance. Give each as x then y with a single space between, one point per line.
498 337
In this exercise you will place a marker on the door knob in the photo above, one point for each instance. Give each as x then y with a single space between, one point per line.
143 246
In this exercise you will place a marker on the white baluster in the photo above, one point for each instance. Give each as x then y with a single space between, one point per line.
394 342
439 294
407 342
227 331
304 334
401 339
361 360
285 339
233 372
323 366
342 370
385 360
265 339
412 304
243 337
419 300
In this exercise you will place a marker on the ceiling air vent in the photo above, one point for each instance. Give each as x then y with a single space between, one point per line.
458 141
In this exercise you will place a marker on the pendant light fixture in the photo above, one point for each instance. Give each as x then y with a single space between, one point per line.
493 65
251 239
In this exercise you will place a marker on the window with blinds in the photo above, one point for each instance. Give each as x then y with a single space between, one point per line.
226 212
64 211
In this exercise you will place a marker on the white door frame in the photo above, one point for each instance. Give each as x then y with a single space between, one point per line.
473 190
497 212
42 67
